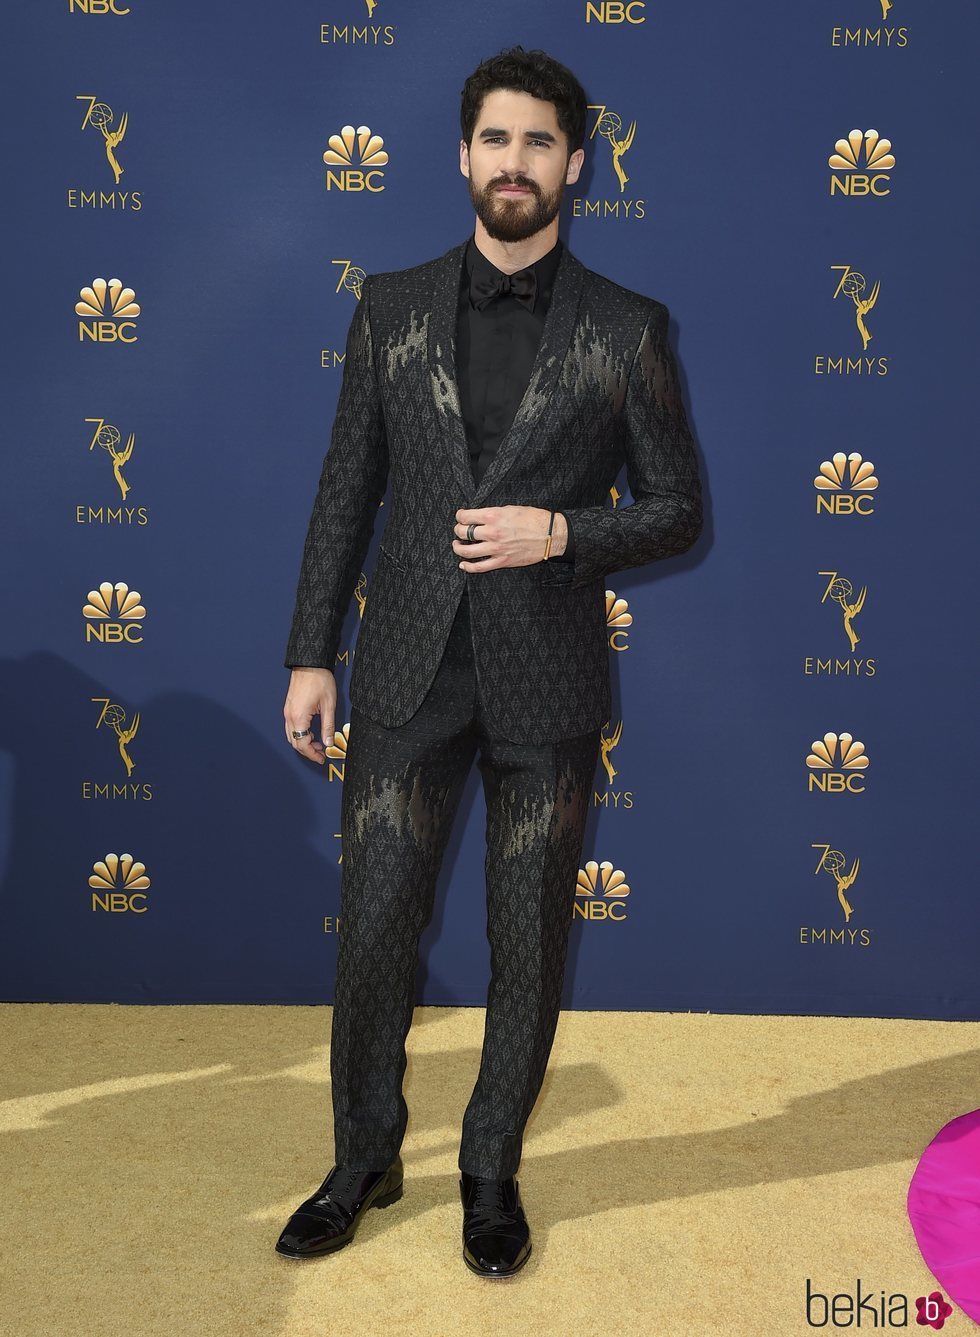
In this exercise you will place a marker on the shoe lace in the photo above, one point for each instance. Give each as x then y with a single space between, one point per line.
335 1191
488 1207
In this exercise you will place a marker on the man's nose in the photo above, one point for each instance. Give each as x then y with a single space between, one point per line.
515 165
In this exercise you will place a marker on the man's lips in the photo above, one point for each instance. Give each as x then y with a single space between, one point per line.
513 190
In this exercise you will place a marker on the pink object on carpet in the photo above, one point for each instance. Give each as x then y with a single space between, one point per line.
944 1209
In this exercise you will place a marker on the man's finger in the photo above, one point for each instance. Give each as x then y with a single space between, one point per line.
307 745
473 550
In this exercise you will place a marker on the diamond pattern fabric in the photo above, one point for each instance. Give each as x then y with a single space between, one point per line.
603 392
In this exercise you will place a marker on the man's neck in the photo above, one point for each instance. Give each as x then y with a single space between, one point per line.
509 256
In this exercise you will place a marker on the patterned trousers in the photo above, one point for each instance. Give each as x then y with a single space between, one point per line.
400 793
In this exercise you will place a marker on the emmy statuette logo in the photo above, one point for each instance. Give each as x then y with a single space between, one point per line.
840 591
109 439
862 298
609 126
114 720
855 286
833 862
351 280
616 800
833 865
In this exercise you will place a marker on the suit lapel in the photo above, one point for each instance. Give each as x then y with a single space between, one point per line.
556 336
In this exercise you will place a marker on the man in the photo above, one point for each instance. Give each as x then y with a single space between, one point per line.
502 387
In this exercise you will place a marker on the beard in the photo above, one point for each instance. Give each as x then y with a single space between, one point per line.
514 217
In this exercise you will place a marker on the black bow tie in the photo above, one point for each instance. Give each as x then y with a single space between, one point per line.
521 285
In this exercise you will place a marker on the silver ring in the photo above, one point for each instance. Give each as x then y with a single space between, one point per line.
301 733
469 531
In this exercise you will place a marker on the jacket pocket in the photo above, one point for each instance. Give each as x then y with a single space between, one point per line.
554 572
385 551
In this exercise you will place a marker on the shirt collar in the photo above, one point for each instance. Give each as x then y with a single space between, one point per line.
544 267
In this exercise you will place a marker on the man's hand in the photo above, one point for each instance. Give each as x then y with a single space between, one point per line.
312 691
506 536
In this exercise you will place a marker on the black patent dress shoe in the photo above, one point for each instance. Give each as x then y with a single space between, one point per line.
329 1218
496 1236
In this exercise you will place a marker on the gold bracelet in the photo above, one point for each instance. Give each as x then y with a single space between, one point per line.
547 546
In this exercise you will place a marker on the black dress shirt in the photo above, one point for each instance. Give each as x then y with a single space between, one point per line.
495 351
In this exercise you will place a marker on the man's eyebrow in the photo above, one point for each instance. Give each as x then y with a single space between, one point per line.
531 134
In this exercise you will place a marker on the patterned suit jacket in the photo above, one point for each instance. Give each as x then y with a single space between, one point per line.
602 392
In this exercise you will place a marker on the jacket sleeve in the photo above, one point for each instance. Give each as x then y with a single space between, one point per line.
569 553
352 482
665 516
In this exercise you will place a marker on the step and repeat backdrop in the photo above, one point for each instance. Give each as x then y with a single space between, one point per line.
194 194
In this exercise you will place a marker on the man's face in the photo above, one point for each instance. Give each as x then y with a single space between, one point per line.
517 144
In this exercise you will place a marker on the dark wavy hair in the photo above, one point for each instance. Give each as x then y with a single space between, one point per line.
533 72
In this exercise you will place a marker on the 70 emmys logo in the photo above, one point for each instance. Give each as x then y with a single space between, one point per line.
100 116
368 150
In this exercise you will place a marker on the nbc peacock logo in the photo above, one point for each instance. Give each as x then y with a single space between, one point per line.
107 313
337 748
600 892
618 620
860 165
113 615
119 884
844 485
836 764
354 159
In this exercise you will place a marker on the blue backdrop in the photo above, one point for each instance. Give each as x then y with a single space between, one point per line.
818 312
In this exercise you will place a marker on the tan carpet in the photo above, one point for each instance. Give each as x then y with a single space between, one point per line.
682 1173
